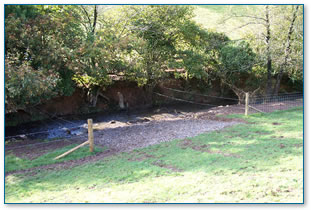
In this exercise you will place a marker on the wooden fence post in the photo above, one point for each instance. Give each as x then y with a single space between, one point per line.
72 150
90 133
246 103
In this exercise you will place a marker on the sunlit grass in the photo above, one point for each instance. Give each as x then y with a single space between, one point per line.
268 168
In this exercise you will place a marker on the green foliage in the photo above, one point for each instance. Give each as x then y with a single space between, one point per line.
166 37
237 60
139 45
26 86
78 45
21 11
66 85
237 57
158 32
38 53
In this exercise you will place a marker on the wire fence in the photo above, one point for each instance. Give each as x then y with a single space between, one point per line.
267 103
276 102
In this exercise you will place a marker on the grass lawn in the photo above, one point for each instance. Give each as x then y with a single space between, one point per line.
261 161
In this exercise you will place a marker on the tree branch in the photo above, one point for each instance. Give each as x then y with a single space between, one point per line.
247 16
87 15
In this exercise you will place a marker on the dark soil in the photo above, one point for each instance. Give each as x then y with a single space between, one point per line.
204 148
170 167
140 156
276 123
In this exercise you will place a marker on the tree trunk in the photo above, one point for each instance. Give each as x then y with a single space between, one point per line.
95 19
238 92
241 96
269 60
278 82
94 97
287 51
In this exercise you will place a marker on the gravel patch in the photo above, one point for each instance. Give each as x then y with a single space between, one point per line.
127 138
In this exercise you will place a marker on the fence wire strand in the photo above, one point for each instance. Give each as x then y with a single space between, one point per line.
199 94
178 99
49 116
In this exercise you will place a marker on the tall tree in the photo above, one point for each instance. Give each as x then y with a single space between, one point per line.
262 33
287 50
272 30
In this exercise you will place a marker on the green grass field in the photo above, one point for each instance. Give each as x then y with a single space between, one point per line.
261 161
212 18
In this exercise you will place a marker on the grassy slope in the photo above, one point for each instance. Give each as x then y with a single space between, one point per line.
211 17
269 169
